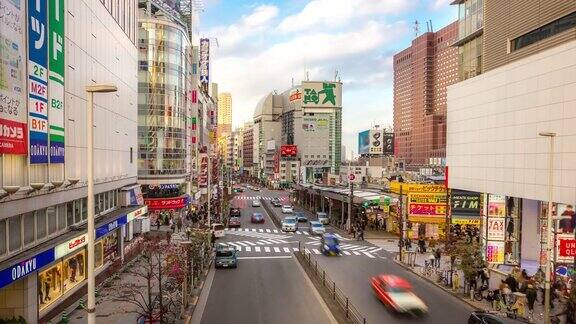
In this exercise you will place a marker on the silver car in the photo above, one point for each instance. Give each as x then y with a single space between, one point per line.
255 203
316 228
290 224
323 218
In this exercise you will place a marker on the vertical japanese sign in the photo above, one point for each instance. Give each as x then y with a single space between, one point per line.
13 124
204 63
56 80
38 80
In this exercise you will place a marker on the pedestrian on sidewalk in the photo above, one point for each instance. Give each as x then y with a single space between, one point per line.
360 234
179 224
421 245
168 237
172 226
437 257
531 294
213 239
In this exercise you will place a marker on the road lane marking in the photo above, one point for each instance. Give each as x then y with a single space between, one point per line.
295 249
376 249
346 252
235 245
267 230
266 257
260 230
287 250
222 243
266 249
250 243
261 242
275 231
306 233
369 255
248 249
277 250
257 249
242 243
355 253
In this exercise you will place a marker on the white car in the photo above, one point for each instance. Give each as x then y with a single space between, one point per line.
287 209
218 230
255 203
323 218
290 224
316 228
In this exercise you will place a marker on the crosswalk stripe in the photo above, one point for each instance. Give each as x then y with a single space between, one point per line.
250 243
306 233
316 251
242 243
266 249
277 250
287 250
295 249
248 249
267 230
224 244
239 249
345 245
260 230
355 253
298 232
257 249
235 245
307 251
275 231
369 255
261 242
253 229
346 252
275 241
376 249
358 248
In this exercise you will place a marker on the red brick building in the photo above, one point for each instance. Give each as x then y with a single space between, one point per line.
422 72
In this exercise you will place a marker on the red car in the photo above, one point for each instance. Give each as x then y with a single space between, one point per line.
396 293
257 218
234 222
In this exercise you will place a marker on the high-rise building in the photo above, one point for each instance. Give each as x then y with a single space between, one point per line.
470 37
422 73
163 108
248 148
43 181
224 113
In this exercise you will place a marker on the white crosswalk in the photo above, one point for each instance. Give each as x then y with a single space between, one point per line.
260 197
263 230
249 248
352 249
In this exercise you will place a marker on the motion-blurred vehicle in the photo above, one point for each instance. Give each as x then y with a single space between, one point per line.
238 189
290 224
226 257
234 222
396 293
316 228
218 230
301 217
255 203
235 212
287 209
330 245
323 218
257 218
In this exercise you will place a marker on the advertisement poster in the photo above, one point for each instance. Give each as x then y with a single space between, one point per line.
565 248
496 205
204 60
203 176
56 80
496 229
38 80
465 203
376 139
13 117
321 94
427 204
495 252
389 143
363 142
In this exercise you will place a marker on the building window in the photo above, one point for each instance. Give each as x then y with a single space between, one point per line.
84 209
98 254
15 233
52 220
546 31
131 155
29 231
77 211
41 224
50 285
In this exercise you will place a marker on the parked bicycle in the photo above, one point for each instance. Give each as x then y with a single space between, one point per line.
505 304
428 269
483 293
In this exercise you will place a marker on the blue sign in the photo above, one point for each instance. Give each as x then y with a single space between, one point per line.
363 142
26 267
107 228
38 80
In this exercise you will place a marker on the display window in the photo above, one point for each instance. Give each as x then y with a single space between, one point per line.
50 285
98 254
74 270
501 229
110 246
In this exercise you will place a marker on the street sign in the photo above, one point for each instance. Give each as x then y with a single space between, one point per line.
568 248
351 177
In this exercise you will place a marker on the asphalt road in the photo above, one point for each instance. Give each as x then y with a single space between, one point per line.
352 274
267 287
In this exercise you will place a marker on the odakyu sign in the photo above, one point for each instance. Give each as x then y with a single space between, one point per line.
26 267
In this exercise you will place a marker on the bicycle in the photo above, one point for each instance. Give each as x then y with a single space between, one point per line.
505 304
428 269
483 293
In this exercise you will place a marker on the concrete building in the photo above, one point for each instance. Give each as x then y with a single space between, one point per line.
43 203
224 113
422 73
470 37
266 133
527 86
164 110
248 148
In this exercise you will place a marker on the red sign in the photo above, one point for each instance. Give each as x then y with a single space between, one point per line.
568 248
276 163
165 203
427 210
351 177
13 137
297 95
288 150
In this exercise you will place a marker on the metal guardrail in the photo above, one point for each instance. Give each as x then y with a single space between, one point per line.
350 311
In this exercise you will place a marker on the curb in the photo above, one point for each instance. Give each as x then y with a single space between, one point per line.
187 316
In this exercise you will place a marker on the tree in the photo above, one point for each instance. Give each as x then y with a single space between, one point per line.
466 257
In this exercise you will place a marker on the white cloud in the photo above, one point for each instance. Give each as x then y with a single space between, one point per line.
440 4
260 19
332 13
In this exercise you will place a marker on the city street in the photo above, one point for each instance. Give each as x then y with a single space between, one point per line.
266 266
269 285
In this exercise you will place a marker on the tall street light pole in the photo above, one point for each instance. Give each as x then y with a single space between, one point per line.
549 242
90 90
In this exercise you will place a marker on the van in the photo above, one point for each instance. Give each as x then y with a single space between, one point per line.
218 230
323 218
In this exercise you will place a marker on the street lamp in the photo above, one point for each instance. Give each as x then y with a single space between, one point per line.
90 90
548 267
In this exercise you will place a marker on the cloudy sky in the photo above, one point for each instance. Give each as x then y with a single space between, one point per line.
263 45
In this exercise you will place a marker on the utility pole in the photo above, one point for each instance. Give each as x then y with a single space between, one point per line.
209 190
351 196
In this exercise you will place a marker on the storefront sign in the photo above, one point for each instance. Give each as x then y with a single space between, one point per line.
465 203
465 220
26 267
203 175
496 205
67 247
13 125
38 80
322 94
565 248
137 213
167 203
204 60
415 187
295 95
107 228
496 229
56 80
495 252
427 204
568 248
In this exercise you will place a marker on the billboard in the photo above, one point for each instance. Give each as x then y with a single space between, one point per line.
13 118
465 203
56 80
388 142
376 144
38 80
427 204
321 94
205 62
288 150
364 142
203 174
313 123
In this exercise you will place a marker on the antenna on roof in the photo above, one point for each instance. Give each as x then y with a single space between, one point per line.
292 81
416 28
335 75
431 29
307 76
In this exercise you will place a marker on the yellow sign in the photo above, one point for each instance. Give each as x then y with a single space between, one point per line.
427 205
466 221
427 220
415 187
